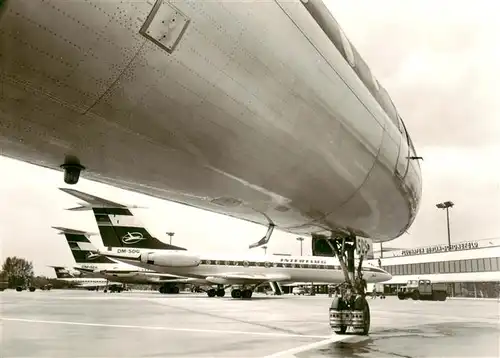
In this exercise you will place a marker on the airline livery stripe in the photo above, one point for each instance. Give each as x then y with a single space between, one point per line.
269 264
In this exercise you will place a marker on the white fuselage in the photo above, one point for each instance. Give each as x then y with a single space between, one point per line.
88 282
214 267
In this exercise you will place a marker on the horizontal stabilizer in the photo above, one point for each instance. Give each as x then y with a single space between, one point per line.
82 269
92 201
64 230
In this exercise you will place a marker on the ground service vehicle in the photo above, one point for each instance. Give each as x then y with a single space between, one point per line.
423 290
298 291
114 288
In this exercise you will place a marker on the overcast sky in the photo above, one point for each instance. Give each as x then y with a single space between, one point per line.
439 62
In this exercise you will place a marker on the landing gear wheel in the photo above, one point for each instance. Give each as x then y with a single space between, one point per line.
366 320
211 292
350 308
162 289
361 306
336 309
221 292
175 289
236 293
246 294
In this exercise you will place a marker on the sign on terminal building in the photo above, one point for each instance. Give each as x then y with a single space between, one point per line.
460 246
469 245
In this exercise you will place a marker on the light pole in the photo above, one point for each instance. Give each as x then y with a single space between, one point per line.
170 234
447 205
265 249
301 240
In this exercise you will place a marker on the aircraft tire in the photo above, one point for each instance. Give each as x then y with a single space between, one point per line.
236 293
221 292
338 305
211 292
246 294
361 304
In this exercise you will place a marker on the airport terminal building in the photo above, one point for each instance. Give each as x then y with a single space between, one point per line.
470 269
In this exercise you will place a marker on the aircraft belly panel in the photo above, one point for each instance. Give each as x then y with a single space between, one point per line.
245 117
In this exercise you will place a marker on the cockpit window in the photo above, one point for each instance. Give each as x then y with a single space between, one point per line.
375 83
347 49
386 103
403 129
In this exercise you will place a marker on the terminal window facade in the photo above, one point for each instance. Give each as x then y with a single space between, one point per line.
454 266
463 289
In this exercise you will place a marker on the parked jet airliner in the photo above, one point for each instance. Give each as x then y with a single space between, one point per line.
128 241
261 110
94 265
81 279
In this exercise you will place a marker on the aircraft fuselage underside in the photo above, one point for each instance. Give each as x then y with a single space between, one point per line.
252 113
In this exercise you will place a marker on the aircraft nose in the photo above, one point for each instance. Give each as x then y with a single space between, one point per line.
386 276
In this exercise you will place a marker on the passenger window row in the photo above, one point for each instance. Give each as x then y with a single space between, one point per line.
455 266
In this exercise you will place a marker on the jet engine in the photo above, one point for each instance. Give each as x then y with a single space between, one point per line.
170 259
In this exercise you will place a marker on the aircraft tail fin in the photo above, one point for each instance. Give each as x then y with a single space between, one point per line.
82 249
62 272
117 225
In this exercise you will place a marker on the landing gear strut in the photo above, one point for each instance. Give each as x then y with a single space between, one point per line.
349 307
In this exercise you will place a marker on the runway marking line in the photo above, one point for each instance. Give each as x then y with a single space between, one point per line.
306 347
159 328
